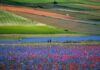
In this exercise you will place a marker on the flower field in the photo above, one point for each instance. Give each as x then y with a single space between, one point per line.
51 57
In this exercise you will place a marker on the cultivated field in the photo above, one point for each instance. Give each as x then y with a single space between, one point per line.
60 1
71 16
49 34
11 23
65 22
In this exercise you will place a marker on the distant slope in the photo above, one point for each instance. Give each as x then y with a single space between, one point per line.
14 24
69 4
59 1
39 1
67 26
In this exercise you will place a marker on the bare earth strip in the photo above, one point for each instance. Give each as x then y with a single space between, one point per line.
36 12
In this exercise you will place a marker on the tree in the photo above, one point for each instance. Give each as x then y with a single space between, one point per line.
55 2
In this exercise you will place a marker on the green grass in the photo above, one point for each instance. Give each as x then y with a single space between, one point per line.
39 1
10 18
64 1
30 30
60 44
21 36
77 6
54 43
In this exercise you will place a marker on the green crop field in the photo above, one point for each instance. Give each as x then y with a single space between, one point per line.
11 19
29 30
39 1
11 23
59 1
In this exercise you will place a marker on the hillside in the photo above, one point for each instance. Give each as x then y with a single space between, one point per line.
70 16
93 2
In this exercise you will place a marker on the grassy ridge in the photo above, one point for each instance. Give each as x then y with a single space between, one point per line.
21 36
29 30
92 43
39 1
64 1
71 4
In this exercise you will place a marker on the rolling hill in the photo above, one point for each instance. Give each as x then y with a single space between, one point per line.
11 23
54 13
